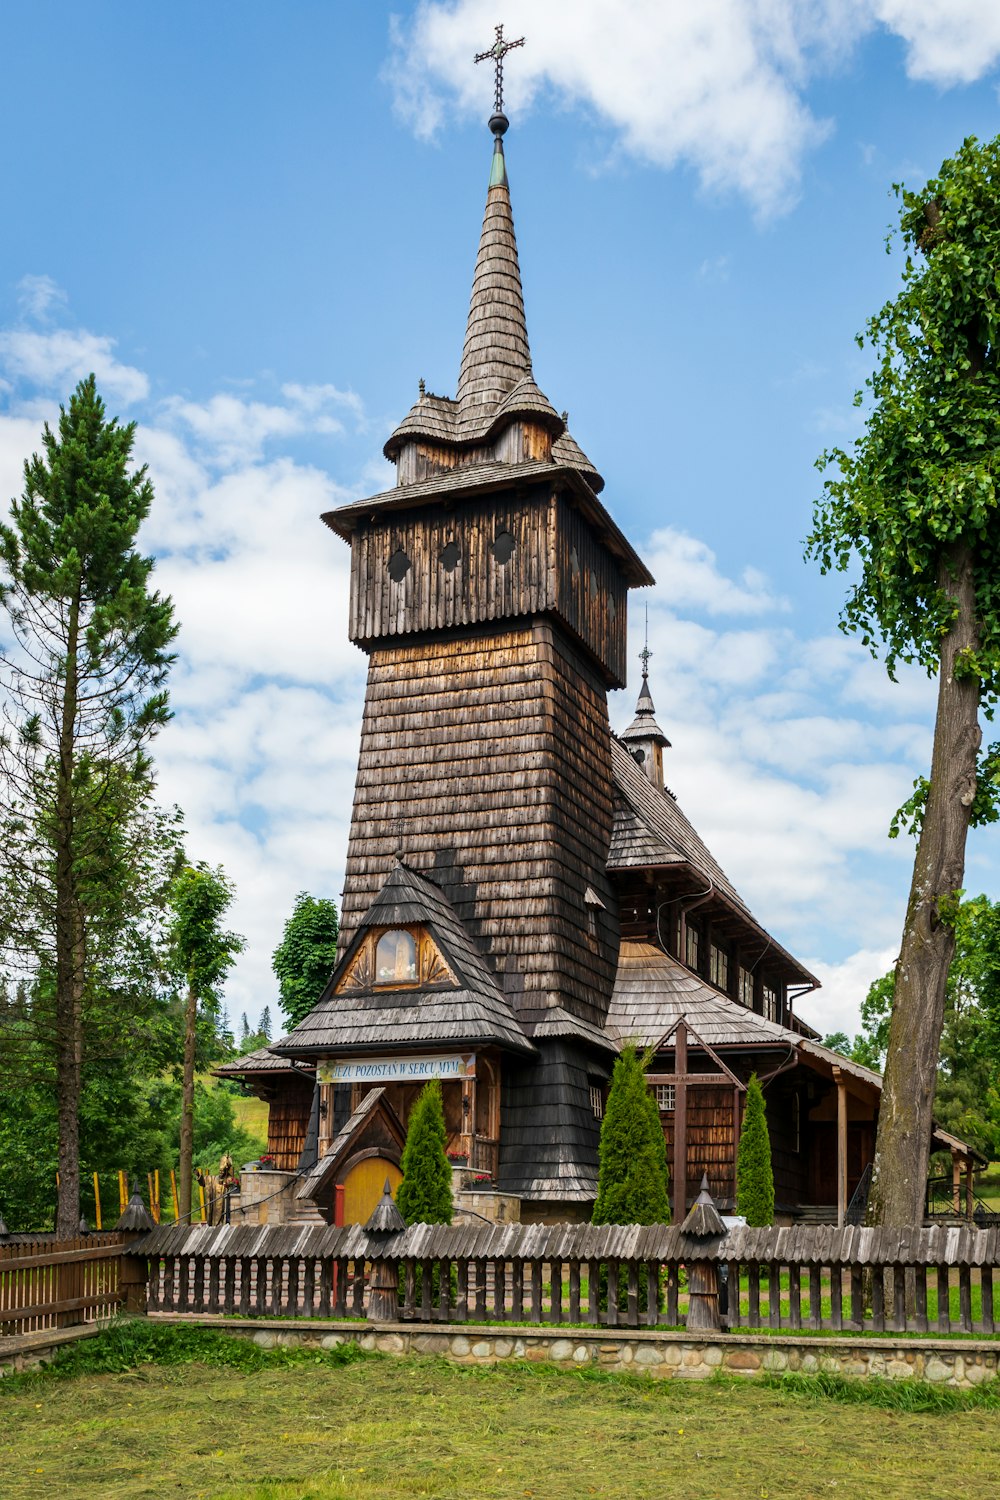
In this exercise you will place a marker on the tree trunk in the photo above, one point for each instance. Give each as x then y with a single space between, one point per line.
69 975
187 1104
902 1145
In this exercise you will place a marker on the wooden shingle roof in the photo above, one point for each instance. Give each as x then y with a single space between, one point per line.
472 1012
650 829
653 991
263 1060
495 383
651 832
482 479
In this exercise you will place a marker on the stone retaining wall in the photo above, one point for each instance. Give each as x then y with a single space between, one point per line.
955 1362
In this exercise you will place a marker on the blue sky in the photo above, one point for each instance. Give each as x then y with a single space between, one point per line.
258 225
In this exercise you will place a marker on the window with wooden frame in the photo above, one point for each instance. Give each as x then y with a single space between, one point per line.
718 967
692 948
396 958
771 1003
597 1101
745 988
796 1122
666 1094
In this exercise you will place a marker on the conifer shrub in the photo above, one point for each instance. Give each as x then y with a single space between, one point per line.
754 1177
632 1185
424 1195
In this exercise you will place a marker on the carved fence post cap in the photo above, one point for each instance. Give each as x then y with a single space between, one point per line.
704 1220
386 1218
136 1217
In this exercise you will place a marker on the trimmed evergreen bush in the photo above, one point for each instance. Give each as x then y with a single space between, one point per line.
424 1195
754 1178
632 1186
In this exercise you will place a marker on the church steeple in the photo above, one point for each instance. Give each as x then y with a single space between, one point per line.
644 738
495 356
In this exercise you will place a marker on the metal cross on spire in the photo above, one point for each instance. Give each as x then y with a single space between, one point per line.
645 653
498 52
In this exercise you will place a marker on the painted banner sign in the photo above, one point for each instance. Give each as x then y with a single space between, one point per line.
395 1069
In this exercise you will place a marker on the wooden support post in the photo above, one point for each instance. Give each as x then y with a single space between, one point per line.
970 1197
383 1287
97 1202
956 1182
325 1132
737 1122
841 1146
680 1123
469 1118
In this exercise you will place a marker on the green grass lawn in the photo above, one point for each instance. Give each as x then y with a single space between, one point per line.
290 1426
251 1114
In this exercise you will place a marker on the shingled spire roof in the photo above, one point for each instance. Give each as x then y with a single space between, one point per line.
496 354
644 725
495 383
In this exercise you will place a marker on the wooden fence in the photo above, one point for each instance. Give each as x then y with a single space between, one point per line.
49 1283
806 1277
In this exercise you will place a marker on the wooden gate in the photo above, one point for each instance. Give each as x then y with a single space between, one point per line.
363 1187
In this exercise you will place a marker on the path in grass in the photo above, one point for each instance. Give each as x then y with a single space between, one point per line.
384 1427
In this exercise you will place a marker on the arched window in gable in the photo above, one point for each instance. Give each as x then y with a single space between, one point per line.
396 958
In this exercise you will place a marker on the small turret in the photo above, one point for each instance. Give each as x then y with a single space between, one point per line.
644 738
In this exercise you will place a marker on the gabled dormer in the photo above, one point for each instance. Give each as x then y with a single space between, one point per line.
410 977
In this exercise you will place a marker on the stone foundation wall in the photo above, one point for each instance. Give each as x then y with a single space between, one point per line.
963 1363
265 1197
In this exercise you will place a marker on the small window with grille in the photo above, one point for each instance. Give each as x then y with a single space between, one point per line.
746 988
665 1095
597 1100
770 1001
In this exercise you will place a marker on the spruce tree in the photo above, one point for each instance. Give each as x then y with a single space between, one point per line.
424 1195
265 1023
84 687
754 1178
632 1186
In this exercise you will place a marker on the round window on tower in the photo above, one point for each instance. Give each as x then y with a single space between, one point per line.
503 547
399 565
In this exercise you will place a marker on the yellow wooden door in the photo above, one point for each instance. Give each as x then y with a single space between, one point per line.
363 1187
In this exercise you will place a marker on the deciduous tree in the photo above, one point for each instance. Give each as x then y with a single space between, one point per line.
201 954
303 961
83 690
913 507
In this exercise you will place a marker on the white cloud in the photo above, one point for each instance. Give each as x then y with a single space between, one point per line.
688 575
39 297
58 360
947 43
837 1006
718 85
232 430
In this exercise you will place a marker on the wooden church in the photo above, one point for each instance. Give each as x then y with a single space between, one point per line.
523 892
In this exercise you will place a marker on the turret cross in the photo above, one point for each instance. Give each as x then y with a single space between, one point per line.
645 653
498 52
